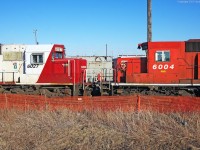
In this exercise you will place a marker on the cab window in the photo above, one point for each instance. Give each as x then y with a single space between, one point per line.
162 56
57 55
37 58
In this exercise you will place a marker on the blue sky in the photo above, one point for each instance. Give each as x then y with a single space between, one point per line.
86 26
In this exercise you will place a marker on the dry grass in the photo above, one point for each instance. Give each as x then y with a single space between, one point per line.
64 129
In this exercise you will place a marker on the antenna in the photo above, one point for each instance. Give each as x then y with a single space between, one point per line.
35 34
106 51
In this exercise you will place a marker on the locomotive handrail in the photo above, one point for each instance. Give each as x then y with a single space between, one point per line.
191 65
186 62
3 72
84 73
8 72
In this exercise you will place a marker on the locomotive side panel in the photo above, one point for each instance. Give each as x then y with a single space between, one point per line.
35 57
192 52
198 66
163 61
130 68
11 63
22 64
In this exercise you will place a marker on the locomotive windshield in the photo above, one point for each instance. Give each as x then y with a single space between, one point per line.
57 55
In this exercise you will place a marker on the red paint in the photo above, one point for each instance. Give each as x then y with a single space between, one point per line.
182 68
62 70
128 66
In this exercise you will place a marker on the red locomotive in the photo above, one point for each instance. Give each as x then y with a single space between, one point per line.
169 68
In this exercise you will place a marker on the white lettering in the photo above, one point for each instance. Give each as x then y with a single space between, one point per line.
160 66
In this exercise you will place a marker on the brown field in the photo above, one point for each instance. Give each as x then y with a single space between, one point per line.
65 129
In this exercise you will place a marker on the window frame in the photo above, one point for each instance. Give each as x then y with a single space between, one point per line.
163 58
37 59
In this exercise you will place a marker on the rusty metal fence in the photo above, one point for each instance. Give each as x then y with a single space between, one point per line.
124 103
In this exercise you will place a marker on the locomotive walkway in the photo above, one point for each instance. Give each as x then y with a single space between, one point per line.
107 103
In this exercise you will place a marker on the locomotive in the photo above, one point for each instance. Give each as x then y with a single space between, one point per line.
40 69
168 68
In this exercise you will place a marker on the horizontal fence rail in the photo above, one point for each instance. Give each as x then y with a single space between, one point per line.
124 103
